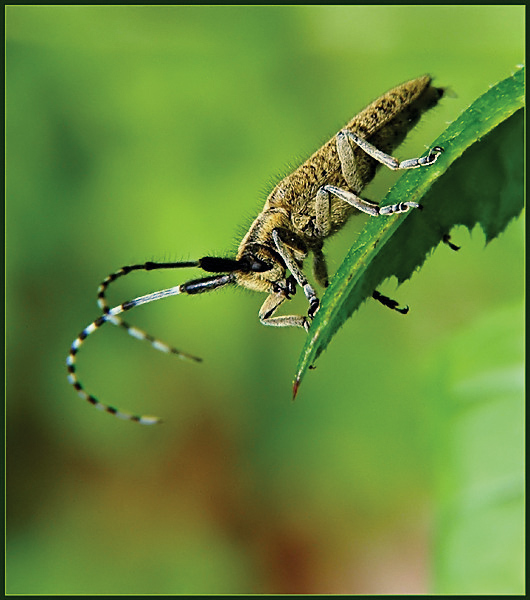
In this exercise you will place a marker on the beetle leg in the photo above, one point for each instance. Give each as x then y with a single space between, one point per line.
271 305
297 273
345 151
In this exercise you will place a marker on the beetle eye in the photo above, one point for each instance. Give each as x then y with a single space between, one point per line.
258 266
252 264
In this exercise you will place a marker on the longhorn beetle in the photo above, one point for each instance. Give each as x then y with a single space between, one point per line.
304 209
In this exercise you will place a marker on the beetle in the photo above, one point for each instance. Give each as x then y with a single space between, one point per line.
304 209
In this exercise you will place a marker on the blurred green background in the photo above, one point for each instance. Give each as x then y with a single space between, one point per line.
155 133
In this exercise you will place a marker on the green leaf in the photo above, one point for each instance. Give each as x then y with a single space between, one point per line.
477 180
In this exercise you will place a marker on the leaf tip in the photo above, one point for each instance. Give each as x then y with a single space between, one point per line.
296 385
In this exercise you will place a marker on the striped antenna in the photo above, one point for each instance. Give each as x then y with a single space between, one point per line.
135 331
111 315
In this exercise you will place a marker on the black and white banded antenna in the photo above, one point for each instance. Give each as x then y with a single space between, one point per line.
111 315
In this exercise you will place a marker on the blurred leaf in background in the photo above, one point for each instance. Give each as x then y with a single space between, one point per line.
155 133
479 545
